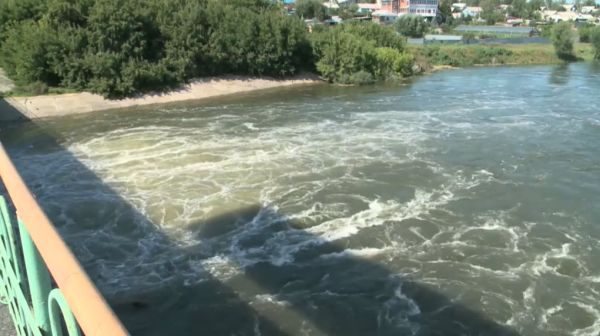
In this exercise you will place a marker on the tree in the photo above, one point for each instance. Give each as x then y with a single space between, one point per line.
411 26
585 31
595 40
491 17
562 40
444 13
311 9
589 3
517 8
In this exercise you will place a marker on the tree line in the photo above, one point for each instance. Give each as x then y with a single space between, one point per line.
119 48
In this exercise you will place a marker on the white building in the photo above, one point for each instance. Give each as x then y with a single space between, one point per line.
425 8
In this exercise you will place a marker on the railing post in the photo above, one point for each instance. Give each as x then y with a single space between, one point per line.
38 278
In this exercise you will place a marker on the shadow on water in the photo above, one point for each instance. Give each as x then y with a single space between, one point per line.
559 75
323 292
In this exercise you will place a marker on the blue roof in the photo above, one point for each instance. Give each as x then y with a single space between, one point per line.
288 1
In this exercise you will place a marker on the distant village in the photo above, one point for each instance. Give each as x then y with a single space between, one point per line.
512 14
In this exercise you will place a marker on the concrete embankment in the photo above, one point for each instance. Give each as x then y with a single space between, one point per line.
60 105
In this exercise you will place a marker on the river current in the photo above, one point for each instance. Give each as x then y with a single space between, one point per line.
466 202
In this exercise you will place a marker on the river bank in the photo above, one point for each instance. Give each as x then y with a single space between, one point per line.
434 57
74 103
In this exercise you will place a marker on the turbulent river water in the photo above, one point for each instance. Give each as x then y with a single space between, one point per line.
464 203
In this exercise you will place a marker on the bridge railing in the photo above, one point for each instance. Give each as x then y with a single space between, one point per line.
32 253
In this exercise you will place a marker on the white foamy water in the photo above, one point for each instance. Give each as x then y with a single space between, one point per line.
434 207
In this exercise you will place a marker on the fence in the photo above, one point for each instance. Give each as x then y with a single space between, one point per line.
31 251
523 40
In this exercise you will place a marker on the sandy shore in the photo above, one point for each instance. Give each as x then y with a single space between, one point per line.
60 105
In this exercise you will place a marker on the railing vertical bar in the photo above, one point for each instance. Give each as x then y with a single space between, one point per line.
38 278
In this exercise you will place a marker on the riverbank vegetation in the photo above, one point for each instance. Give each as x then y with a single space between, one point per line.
458 55
119 48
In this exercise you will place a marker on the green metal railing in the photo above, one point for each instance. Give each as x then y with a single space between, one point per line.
25 284
46 289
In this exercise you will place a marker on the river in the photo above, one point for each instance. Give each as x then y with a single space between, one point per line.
466 202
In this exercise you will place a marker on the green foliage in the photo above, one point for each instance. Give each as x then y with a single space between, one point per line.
561 9
525 9
360 78
411 25
562 40
595 40
14 11
344 54
492 17
463 56
311 9
383 36
584 31
392 63
546 31
122 47
444 13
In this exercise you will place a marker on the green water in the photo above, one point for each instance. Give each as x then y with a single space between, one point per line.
463 203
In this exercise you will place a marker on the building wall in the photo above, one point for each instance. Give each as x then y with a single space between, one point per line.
403 6
391 6
425 8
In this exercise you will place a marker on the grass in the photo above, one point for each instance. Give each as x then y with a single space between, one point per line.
25 91
460 55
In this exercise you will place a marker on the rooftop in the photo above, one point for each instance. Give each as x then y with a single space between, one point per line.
444 37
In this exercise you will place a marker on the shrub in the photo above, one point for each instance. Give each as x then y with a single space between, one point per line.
37 88
584 32
360 78
411 25
392 63
562 40
121 47
344 55
595 40
383 36
403 65
490 55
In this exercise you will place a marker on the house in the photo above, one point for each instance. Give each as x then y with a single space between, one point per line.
504 7
331 4
402 7
514 22
499 30
390 6
384 17
459 6
366 7
588 9
425 8
472 11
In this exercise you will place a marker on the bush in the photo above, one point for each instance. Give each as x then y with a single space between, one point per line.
411 26
490 55
595 40
584 32
562 40
392 63
360 78
345 55
383 36
121 47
